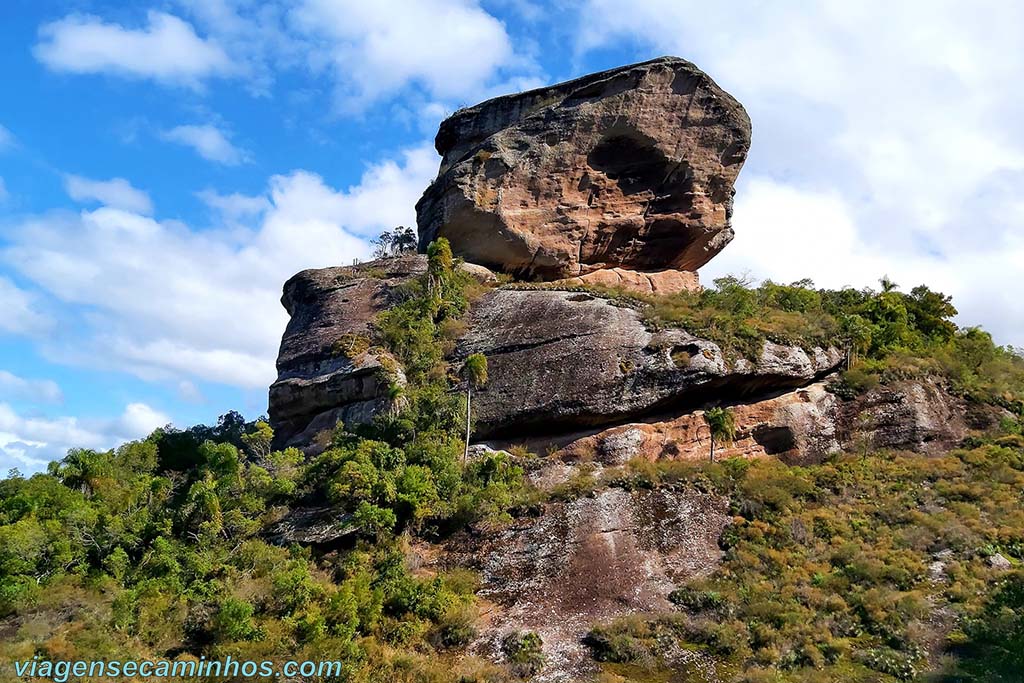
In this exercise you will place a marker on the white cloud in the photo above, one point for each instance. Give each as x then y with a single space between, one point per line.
785 234
138 420
3 190
30 442
234 207
167 49
32 390
6 138
116 192
450 48
189 392
209 142
20 311
898 112
169 303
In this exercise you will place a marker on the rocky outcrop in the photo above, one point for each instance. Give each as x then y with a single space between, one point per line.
915 415
558 361
327 369
632 168
799 427
324 527
588 561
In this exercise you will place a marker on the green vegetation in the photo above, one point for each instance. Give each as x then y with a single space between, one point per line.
523 650
858 569
887 334
159 548
722 426
874 567
401 240
475 371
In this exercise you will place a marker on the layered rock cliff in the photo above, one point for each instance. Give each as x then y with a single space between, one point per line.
559 360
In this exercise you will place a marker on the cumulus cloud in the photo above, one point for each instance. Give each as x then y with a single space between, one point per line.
167 49
370 51
171 303
894 117
819 233
31 390
235 206
30 442
21 314
209 142
116 192
377 48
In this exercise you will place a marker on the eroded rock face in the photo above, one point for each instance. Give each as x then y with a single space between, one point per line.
560 360
916 415
326 369
632 167
658 283
800 427
588 561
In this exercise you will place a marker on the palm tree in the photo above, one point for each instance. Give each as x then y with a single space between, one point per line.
722 426
475 370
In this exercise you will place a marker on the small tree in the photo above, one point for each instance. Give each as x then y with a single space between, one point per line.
475 371
394 242
722 426
404 240
258 441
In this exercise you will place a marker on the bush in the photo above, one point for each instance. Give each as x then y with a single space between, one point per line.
524 650
234 621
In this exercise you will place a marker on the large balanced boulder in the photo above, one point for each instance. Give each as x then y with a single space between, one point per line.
632 167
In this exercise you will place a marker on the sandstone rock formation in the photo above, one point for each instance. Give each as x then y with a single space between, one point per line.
659 282
630 168
800 426
326 369
558 361
588 561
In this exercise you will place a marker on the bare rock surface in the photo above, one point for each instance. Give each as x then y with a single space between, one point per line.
562 360
318 526
659 282
632 167
915 415
800 426
326 370
557 360
797 426
588 561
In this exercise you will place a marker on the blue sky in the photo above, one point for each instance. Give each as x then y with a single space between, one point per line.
165 166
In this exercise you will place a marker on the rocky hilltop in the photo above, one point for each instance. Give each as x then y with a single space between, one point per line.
575 208
590 183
